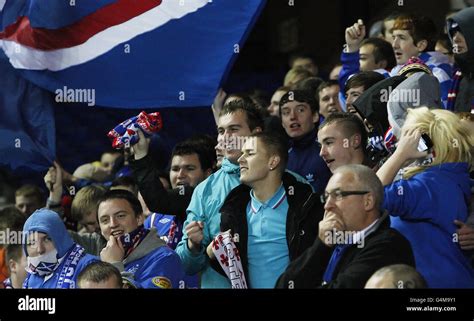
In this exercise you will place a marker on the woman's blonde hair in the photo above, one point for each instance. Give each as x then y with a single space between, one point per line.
452 142
295 75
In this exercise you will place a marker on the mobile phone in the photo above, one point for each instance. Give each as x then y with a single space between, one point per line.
425 143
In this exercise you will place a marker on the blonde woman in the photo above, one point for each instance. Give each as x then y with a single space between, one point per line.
295 75
428 199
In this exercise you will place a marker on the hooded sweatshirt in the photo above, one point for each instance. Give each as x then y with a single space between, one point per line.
152 265
49 222
423 209
421 89
440 67
462 92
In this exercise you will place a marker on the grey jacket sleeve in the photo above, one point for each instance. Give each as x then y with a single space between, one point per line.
93 243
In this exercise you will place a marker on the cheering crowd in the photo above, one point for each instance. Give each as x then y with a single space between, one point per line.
364 180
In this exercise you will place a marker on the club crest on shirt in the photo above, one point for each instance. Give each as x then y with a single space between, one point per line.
134 269
161 282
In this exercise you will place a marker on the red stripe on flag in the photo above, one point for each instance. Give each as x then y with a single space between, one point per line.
79 32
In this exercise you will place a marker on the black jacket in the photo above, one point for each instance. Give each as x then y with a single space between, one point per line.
384 246
465 96
156 197
304 213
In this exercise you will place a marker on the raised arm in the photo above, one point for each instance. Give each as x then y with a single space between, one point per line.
157 198
407 150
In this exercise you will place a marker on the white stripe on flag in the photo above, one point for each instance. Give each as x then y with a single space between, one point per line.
23 57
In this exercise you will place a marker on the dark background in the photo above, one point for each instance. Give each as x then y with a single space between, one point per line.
316 27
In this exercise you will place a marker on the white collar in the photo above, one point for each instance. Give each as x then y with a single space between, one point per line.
359 235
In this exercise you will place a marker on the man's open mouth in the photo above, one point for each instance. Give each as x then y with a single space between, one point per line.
329 161
117 233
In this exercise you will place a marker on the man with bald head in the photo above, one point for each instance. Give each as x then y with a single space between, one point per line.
355 238
397 276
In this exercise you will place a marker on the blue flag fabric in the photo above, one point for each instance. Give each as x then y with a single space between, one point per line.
127 53
27 129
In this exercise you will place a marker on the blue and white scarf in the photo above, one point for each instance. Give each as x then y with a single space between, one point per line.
65 280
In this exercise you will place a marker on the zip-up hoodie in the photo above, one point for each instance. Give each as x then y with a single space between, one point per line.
152 264
423 209
49 222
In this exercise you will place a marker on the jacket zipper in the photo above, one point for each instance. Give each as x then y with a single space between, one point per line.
297 223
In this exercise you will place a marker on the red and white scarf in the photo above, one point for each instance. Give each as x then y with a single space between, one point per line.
228 257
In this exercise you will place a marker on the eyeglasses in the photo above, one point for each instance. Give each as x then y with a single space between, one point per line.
339 195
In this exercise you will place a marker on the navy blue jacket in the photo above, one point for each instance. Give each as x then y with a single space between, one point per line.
304 159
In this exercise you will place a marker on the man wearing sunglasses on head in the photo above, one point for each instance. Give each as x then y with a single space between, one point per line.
355 238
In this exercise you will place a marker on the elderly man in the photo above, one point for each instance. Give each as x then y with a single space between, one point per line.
355 238
397 276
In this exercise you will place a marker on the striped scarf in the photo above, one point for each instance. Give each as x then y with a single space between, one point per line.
131 240
453 91
68 271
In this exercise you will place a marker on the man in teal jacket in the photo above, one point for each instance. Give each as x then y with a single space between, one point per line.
237 120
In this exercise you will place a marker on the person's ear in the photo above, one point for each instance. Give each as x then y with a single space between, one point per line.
273 162
369 201
382 64
207 172
12 266
421 45
355 141
141 219
315 117
257 130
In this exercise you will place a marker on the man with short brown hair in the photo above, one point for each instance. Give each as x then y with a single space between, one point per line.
274 216
237 120
28 199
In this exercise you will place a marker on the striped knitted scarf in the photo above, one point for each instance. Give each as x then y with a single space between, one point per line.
453 91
